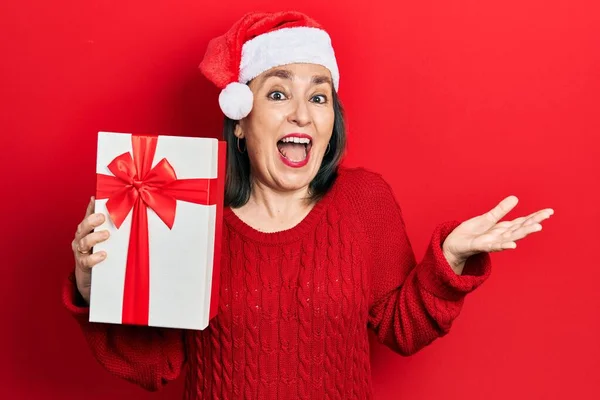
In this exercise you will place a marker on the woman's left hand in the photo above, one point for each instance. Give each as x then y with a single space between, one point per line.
485 234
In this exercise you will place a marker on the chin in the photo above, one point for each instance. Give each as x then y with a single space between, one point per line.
295 177
294 180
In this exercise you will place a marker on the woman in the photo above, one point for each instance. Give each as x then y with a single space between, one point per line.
313 254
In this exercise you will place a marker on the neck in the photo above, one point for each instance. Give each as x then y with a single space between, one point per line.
269 210
278 204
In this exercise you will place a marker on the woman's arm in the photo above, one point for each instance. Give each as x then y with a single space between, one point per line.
411 303
147 356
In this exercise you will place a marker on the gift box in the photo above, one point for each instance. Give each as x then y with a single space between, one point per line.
163 199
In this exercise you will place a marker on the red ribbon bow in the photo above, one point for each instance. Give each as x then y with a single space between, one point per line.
136 185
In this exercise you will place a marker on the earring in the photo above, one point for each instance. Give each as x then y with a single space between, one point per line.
328 148
238 146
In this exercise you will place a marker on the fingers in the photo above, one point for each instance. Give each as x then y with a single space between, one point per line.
519 228
535 219
89 211
539 216
89 223
90 207
505 245
86 244
522 230
87 262
85 238
511 226
503 208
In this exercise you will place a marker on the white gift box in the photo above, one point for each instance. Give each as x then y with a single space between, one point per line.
165 195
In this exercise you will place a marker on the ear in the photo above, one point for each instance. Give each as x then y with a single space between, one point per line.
239 131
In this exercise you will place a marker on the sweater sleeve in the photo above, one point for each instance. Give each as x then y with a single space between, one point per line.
147 356
411 303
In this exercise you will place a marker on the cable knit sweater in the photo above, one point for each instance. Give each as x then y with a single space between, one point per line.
295 305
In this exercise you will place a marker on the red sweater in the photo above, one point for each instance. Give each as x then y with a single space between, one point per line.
295 305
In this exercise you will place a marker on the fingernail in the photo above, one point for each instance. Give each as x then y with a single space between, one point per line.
98 217
102 255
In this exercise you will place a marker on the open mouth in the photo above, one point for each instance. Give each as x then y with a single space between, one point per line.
294 149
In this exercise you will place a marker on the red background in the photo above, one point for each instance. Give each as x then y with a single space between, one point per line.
459 104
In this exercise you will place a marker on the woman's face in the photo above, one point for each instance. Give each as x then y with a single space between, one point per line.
290 125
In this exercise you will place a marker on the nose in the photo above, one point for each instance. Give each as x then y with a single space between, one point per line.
300 114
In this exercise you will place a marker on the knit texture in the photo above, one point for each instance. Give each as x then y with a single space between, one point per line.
295 305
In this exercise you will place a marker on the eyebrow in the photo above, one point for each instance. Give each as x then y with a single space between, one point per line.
279 73
286 74
319 79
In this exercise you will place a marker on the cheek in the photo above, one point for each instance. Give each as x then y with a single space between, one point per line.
324 123
263 129
267 114
259 147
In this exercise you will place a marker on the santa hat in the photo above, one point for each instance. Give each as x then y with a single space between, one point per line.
258 42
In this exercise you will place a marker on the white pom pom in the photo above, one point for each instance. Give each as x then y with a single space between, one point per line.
236 100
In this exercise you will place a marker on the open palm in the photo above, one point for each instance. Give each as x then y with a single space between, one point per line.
485 233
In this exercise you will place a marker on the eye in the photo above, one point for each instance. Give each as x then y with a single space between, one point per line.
276 95
320 99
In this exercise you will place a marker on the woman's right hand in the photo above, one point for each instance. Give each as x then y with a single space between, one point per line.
84 241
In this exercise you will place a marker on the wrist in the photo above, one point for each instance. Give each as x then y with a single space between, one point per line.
81 299
457 264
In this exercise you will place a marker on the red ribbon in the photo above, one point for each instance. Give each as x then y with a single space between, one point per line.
135 185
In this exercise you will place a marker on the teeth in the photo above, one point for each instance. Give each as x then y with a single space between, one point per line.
296 140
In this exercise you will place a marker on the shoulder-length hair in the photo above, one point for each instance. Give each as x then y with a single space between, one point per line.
238 184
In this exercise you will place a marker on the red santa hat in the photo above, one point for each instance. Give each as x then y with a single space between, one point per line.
258 42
